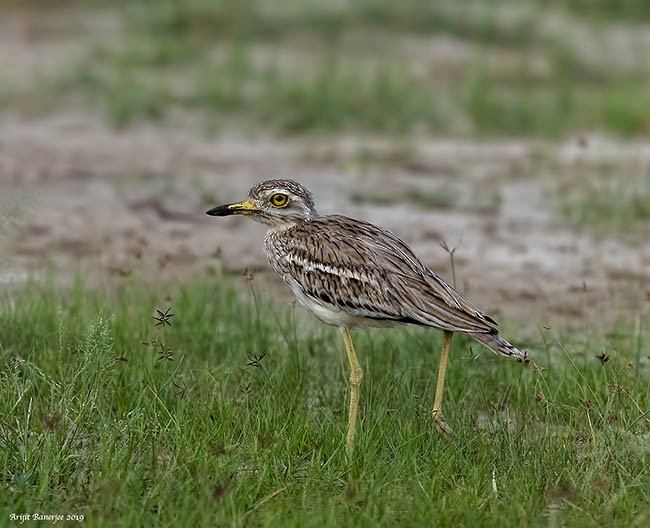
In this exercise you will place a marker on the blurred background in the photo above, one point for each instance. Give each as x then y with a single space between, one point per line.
515 132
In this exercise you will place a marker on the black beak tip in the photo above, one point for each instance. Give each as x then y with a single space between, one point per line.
217 211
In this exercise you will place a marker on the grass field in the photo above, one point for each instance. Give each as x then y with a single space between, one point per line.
235 415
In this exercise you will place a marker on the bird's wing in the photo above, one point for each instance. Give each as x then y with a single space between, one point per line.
369 272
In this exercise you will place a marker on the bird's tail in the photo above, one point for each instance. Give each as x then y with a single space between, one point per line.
496 343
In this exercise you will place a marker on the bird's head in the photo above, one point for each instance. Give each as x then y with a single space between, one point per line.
272 202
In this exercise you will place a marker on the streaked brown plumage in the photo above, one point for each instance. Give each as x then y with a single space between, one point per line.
351 273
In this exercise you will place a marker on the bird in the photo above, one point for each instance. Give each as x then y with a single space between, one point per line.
350 273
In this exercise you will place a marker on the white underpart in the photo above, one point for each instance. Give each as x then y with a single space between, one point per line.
330 314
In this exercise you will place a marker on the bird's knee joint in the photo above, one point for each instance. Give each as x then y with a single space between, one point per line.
356 375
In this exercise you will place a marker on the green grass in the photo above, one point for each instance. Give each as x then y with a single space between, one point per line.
349 70
255 19
332 94
95 423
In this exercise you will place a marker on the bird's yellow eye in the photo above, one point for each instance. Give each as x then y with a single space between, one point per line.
279 200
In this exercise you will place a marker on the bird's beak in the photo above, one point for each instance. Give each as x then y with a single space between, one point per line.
233 208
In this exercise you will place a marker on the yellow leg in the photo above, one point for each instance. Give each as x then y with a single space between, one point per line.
355 383
439 418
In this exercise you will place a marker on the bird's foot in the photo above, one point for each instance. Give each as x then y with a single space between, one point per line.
443 427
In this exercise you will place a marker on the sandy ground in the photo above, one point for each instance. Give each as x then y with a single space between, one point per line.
79 197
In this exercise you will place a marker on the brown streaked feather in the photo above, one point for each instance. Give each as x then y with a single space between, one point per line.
369 272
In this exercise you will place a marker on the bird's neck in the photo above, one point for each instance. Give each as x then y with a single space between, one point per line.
287 222
282 225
